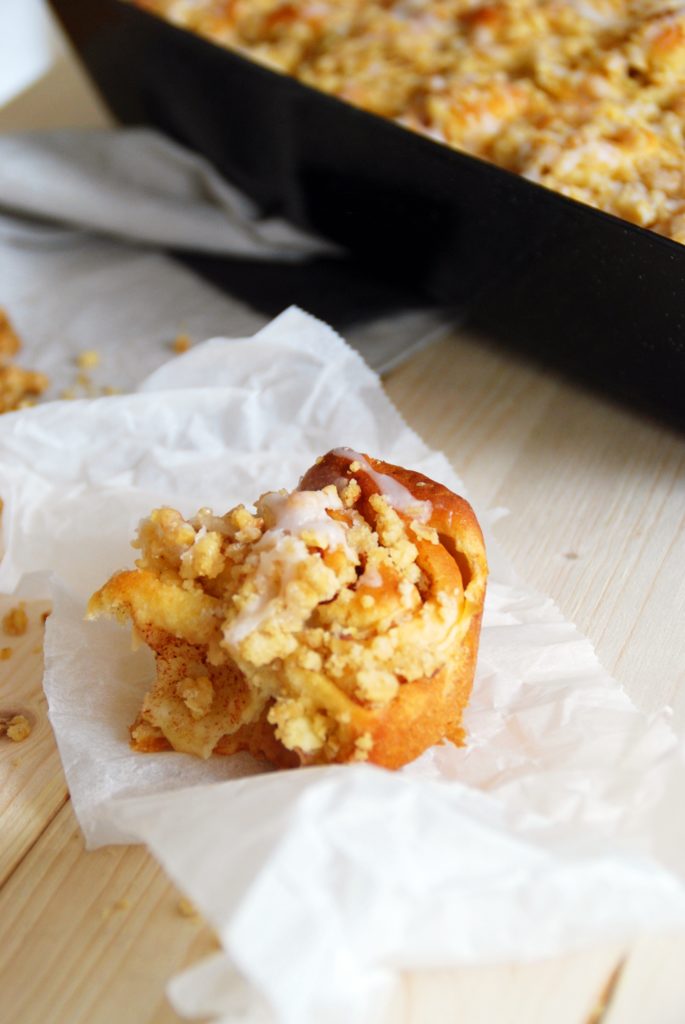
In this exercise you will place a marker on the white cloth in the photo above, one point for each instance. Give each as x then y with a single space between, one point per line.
138 185
79 213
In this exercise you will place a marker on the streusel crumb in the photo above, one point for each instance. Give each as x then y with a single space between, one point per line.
88 359
187 909
17 728
10 342
16 621
18 385
181 343
582 97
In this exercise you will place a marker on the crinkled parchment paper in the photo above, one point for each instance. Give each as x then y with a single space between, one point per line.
558 823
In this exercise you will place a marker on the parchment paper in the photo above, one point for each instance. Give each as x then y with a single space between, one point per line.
557 825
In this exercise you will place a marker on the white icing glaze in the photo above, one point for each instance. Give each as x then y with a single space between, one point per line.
304 511
370 577
278 562
397 496
281 549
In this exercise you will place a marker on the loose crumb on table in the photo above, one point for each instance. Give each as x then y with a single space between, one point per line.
17 728
18 387
186 908
9 339
16 621
181 343
584 98
88 359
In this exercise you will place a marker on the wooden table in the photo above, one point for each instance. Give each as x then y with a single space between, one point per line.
597 520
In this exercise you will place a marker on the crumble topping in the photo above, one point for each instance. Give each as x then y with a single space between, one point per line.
88 359
362 747
584 98
317 609
338 622
18 387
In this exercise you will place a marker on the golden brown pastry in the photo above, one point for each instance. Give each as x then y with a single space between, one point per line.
18 387
336 623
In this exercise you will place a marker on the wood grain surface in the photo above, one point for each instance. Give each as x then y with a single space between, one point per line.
596 519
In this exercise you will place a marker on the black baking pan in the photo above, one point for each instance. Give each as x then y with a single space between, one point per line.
577 288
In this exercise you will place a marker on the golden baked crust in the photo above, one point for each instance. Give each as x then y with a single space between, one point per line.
584 98
336 623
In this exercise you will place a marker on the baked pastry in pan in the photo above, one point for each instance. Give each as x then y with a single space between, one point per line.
585 98
335 623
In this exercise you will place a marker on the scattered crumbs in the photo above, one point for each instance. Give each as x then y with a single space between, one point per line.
17 728
15 762
571 555
84 381
16 621
5 653
109 390
363 745
186 908
18 385
181 343
88 359
9 339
